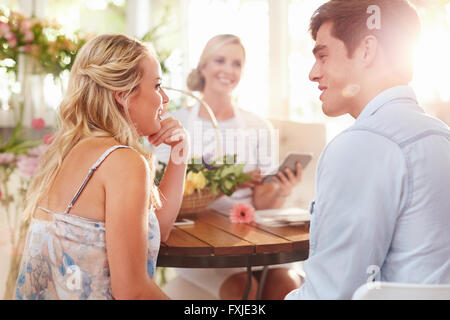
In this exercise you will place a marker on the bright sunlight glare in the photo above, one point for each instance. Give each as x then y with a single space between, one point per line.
432 68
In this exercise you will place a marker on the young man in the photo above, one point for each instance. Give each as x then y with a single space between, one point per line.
382 207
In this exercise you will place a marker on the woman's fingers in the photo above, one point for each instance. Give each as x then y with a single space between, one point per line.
290 175
247 184
176 135
171 133
170 137
298 176
256 175
166 124
282 177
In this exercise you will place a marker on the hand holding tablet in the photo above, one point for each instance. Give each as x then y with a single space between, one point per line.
290 162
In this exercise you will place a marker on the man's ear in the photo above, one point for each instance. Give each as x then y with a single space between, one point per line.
369 47
119 96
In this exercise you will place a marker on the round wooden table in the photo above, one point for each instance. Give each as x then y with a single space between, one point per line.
214 242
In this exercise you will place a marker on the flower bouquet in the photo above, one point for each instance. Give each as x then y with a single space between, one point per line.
19 160
207 180
39 38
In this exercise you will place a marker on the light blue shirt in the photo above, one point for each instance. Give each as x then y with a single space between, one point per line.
382 204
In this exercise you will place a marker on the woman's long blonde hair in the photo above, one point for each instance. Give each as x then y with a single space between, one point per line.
195 80
105 64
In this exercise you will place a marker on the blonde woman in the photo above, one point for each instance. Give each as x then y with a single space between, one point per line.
96 216
250 137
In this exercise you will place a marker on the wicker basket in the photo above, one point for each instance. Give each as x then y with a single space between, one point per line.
196 202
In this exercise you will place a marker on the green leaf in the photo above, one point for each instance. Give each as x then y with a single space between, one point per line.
23 147
228 185
214 190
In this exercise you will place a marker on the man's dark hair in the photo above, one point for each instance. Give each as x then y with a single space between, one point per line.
400 24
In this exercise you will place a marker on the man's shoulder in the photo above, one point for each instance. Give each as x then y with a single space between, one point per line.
402 122
357 144
360 136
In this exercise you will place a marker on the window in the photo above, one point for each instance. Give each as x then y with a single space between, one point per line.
248 19
431 70
432 63
11 4
304 103
91 16
190 23
432 60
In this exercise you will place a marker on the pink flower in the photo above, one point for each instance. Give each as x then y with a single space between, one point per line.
28 36
38 123
6 158
48 138
38 151
26 25
28 165
242 213
9 35
12 41
4 29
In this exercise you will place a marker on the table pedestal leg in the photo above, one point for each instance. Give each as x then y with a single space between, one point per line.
261 282
249 283
260 285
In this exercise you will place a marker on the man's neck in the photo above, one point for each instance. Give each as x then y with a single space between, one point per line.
370 90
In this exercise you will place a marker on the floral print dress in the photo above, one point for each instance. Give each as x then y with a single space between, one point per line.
65 256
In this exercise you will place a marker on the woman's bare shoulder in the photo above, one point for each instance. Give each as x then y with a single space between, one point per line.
126 160
120 162
125 167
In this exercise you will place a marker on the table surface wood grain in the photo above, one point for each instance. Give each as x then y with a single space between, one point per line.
213 235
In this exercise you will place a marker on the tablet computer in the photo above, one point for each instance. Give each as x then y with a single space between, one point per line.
290 162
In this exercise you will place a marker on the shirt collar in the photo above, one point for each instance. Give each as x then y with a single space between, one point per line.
387 96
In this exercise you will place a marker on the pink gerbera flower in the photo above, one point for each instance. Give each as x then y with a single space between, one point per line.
242 213
38 123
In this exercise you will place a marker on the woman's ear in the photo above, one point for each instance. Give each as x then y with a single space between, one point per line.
118 95
200 70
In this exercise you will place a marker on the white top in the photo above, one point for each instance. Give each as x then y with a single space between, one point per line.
382 208
249 136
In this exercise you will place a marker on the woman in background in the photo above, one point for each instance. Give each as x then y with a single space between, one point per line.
216 76
96 215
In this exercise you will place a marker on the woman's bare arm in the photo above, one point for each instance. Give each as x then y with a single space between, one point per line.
126 218
172 183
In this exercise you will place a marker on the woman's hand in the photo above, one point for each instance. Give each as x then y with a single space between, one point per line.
273 195
256 179
286 180
171 133
171 186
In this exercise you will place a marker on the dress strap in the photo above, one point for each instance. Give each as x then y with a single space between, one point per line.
91 172
43 209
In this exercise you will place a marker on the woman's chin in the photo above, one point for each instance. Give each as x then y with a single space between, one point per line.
224 89
154 129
